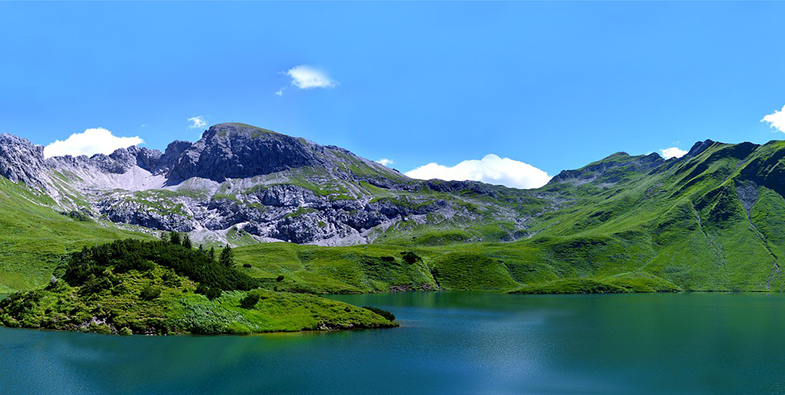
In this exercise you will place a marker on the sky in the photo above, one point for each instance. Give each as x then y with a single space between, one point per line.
508 93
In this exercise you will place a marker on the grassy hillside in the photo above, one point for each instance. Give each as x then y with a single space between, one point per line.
159 287
486 266
710 221
34 237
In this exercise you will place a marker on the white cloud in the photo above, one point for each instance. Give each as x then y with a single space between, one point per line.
672 152
89 142
308 77
197 122
776 119
386 162
491 169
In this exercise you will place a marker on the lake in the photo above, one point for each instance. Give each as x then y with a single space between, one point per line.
448 343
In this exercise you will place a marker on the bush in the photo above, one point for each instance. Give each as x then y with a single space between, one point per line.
150 292
249 301
247 265
410 257
384 313
279 279
171 280
202 289
388 259
174 238
213 293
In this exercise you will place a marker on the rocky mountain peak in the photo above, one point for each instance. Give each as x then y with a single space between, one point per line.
234 150
21 160
234 130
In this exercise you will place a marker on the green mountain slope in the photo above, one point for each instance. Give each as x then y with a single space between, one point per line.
711 220
34 238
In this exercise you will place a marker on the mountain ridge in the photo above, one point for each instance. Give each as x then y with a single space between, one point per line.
711 220
239 179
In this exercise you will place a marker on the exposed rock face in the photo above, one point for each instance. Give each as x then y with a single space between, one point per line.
240 151
243 179
286 196
20 160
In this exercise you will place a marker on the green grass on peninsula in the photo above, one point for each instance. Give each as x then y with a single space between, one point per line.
158 287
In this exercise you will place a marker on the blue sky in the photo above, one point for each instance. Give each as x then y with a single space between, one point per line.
554 85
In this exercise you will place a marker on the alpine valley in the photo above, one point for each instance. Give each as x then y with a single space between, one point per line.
80 236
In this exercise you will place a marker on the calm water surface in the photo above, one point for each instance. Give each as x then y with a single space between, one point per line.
449 343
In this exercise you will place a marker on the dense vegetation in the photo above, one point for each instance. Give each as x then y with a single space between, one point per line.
164 287
129 254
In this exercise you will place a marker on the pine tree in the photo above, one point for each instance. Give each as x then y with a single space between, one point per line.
187 242
227 258
174 238
212 253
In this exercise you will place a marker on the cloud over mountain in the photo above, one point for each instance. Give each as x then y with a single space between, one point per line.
672 152
491 169
91 141
776 119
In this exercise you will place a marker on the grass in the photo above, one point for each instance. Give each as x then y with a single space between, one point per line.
686 225
34 237
99 293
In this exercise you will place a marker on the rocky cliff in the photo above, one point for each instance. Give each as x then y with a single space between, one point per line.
242 184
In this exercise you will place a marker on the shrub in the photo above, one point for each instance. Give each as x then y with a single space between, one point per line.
247 265
202 289
249 301
150 292
384 313
410 257
170 279
174 238
213 293
388 259
279 279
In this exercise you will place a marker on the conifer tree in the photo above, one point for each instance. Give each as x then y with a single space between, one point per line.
174 238
187 242
227 258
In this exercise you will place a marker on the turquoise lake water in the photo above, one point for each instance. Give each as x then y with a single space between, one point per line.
448 343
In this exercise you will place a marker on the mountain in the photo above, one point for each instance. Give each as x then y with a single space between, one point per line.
240 184
711 220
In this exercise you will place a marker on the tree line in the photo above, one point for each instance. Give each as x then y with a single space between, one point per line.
173 251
